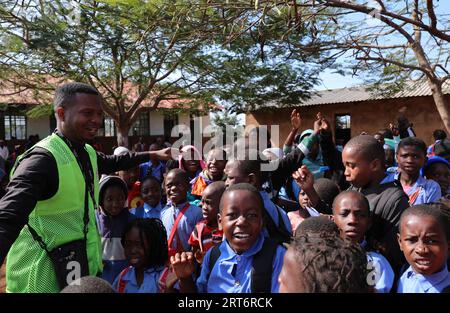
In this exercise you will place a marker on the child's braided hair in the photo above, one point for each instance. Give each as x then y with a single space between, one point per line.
154 231
328 263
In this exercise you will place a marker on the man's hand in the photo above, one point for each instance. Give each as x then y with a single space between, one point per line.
304 178
183 264
166 154
296 119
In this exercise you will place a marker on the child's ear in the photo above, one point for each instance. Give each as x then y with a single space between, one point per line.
219 221
376 164
399 241
252 179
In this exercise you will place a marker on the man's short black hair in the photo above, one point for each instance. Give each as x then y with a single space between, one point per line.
412 142
368 147
242 186
439 134
65 94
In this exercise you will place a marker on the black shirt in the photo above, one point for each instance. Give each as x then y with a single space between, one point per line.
36 179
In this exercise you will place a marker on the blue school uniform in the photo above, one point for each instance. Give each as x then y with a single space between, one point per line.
150 283
381 276
428 190
410 282
232 272
147 169
187 223
273 210
147 211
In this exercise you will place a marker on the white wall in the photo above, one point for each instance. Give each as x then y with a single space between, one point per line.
40 126
156 123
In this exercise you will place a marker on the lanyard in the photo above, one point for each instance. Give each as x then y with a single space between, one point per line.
87 173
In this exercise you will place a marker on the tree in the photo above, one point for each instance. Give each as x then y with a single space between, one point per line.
392 41
136 56
139 53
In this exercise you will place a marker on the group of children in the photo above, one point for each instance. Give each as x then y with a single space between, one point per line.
216 226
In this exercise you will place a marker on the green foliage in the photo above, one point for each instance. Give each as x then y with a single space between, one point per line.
40 111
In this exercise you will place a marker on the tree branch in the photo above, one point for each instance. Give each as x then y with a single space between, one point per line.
367 10
431 14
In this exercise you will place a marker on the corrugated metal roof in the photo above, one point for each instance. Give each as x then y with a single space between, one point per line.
362 93
357 94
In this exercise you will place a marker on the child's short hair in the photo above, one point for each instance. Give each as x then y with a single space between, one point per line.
368 146
224 153
151 178
329 263
242 186
181 173
316 224
326 189
353 192
439 134
171 164
155 232
108 181
89 284
428 210
218 187
412 142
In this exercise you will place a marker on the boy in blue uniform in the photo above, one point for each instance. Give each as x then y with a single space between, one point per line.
411 157
151 195
179 216
424 240
351 214
278 225
241 218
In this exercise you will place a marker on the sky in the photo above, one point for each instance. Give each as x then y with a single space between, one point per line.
330 80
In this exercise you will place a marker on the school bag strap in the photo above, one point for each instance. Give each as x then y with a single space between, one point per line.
261 267
281 234
200 227
175 225
121 283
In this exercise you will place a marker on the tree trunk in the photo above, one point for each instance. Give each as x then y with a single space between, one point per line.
435 85
442 104
122 136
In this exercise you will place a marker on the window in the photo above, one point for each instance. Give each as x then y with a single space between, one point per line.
170 121
108 128
15 126
141 126
342 121
343 129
